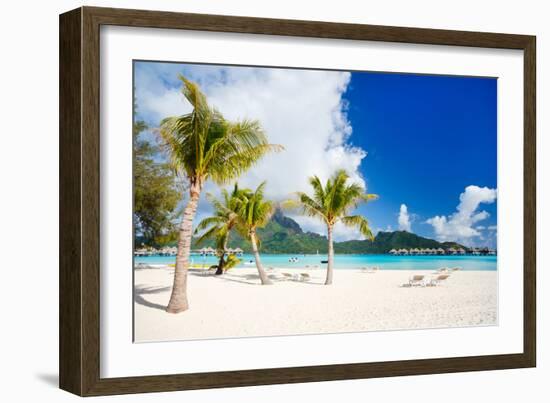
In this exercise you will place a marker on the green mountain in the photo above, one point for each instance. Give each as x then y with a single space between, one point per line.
386 241
284 235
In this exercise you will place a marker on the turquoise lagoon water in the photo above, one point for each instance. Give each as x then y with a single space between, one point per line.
387 262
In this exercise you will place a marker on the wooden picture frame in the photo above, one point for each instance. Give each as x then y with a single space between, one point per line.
79 348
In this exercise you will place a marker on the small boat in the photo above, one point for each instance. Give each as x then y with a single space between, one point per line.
250 262
324 261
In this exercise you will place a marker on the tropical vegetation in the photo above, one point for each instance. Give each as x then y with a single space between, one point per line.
156 193
283 235
220 225
255 212
332 203
202 145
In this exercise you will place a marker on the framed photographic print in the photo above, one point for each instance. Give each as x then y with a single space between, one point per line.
249 201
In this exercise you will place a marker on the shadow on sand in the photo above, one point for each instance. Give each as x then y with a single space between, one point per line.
251 279
139 292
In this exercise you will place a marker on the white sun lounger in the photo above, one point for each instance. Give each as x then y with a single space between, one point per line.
435 281
417 279
372 269
209 271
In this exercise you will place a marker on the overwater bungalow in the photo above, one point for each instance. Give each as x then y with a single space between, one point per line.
440 251
461 251
393 252
167 251
207 251
141 252
403 252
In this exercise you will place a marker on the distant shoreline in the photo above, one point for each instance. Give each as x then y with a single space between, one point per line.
336 254
344 261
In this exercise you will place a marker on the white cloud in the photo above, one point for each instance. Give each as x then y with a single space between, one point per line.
301 109
171 103
404 220
460 226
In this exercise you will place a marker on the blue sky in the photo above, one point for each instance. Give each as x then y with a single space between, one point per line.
428 138
425 144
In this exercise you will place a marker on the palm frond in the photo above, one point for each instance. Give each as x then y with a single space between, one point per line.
202 144
290 204
336 201
359 222
208 222
318 191
333 201
310 206
228 166
209 234
254 211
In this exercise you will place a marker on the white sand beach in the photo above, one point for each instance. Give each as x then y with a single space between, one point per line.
236 305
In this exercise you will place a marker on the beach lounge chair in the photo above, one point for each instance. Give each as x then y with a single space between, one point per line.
435 281
372 269
142 266
209 271
417 279
304 277
287 276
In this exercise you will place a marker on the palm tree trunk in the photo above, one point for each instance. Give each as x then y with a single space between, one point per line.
178 299
330 263
261 271
221 263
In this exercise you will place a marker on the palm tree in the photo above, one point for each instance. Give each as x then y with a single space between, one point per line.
202 145
332 203
225 218
255 212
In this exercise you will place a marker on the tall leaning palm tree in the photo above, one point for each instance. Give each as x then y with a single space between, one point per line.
255 212
202 146
222 222
332 203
